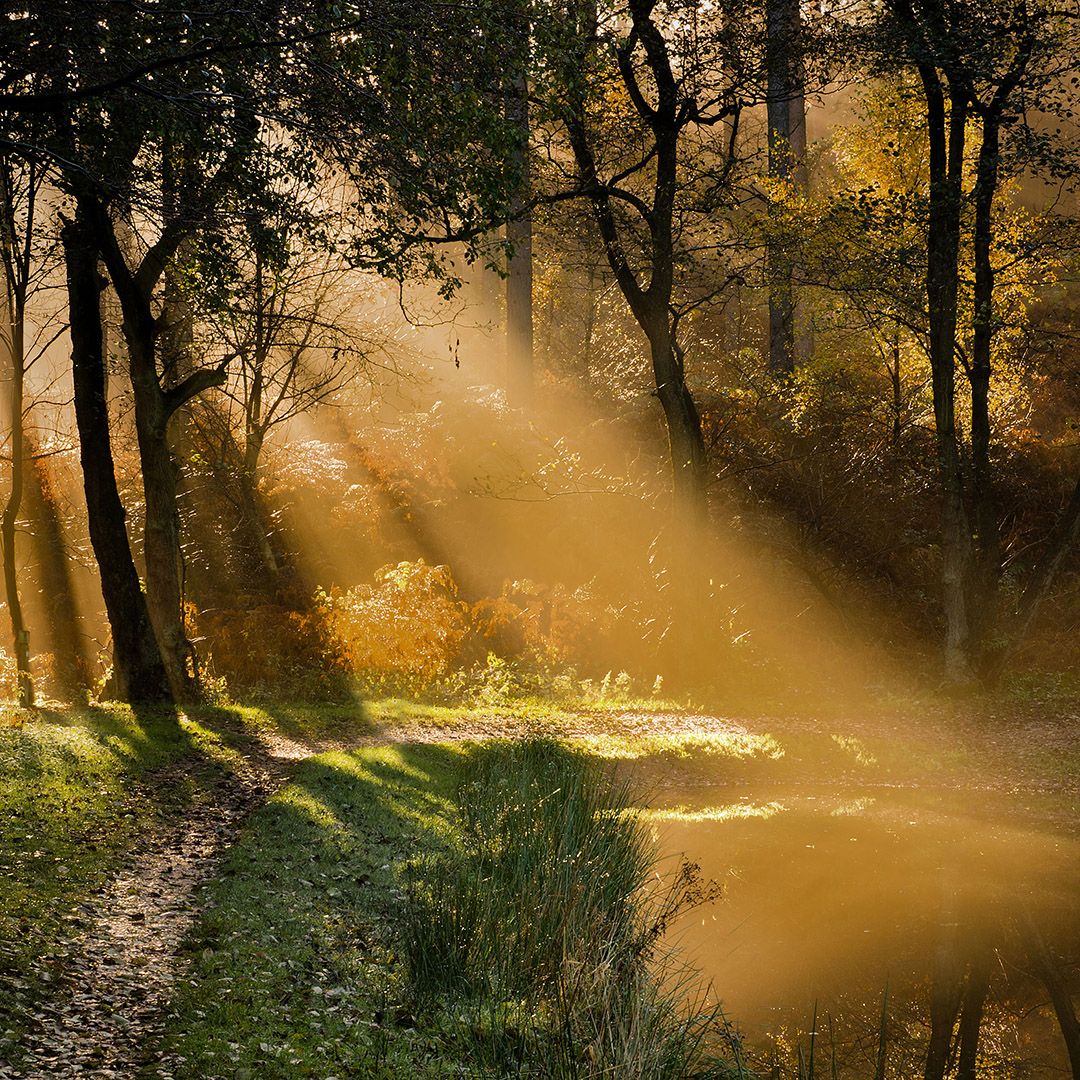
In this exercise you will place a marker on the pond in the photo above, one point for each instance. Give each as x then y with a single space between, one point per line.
904 920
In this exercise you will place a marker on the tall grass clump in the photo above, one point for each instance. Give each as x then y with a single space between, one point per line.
538 941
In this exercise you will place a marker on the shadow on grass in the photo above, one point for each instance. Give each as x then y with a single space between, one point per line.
75 796
295 961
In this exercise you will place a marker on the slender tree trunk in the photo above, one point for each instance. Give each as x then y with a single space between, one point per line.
946 988
252 500
685 440
10 518
155 405
138 669
161 535
786 116
590 327
986 564
519 227
52 561
1049 971
897 390
1066 537
971 1013
651 304
946 136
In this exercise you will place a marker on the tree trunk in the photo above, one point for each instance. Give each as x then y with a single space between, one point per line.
986 564
519 229
946 137
138 670
591 301
10 518
52 560
971 1014
651 304
1049 971
1067 535
154 407
897 391
946 989
161 536
786 116
685 440
254 511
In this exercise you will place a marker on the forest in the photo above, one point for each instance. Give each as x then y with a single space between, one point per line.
540 538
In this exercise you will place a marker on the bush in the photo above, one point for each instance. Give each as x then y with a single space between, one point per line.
274 651
409 634
410 622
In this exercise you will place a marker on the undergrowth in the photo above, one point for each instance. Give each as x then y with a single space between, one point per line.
537 942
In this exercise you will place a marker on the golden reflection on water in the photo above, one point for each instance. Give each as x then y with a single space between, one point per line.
831 896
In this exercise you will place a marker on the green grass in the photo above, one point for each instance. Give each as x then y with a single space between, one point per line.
79 788
421 911
296 971
299 966
537 945
71 807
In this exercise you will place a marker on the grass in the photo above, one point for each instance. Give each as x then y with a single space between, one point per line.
302 964
71 806
535 944
78 789
421 911
296 971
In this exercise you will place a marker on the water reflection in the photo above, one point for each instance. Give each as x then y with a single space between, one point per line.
887 933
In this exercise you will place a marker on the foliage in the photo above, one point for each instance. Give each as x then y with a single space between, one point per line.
275 651
410 634
409 622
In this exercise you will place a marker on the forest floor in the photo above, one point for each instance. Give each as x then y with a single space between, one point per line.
150 922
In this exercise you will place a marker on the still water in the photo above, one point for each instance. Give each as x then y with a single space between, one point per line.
955 910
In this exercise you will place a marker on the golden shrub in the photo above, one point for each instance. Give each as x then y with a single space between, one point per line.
410 621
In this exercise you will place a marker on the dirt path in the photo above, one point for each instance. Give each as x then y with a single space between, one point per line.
105 1017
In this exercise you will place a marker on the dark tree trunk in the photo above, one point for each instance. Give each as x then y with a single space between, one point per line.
1053 978
155 406
971 1014
254 509
138 669
685 440
945 996
1066 536
10 518
897 391
986 564
161 536
590 327
519 234
946 985
786 109
946 136
651 301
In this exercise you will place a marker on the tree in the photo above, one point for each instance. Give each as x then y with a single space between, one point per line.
20 185
138 671
519 225
140 198
985 69
280 308
649 101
